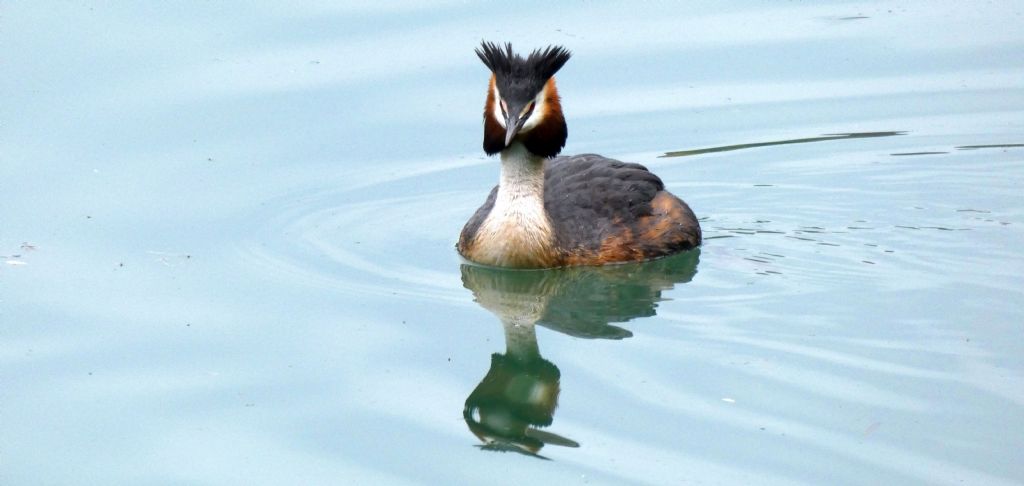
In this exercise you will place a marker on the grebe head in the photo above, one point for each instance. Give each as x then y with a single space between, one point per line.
522 101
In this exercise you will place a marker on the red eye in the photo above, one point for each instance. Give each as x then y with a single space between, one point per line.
529 110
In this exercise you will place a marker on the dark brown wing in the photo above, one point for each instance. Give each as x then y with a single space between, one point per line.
604 211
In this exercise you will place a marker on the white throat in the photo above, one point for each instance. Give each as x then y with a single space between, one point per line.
517 231
521 187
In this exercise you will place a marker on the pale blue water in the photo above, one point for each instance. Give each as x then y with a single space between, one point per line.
227 246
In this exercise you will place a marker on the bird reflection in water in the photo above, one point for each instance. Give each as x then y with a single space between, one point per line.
519 393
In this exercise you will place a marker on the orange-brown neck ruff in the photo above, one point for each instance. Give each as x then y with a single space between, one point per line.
548 136
494 130
544 132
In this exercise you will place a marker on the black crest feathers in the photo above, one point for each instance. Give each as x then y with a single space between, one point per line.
518 78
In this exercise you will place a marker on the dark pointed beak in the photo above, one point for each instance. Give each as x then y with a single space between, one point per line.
513 123
511 131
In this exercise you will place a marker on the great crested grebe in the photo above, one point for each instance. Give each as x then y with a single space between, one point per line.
549 211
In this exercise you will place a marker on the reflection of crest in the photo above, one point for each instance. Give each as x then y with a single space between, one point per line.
520 391
513 399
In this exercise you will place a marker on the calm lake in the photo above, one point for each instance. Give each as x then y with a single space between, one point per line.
227 247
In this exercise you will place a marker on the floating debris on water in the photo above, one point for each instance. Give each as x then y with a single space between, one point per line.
822 138
995 145
904 154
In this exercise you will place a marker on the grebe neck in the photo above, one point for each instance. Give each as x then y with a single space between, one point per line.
522 178
521 338
517 231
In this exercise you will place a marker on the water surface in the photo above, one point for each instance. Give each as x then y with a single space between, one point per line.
227 248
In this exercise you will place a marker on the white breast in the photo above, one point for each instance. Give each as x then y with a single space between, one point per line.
517 232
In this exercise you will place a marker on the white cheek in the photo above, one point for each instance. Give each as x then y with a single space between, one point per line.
538 108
